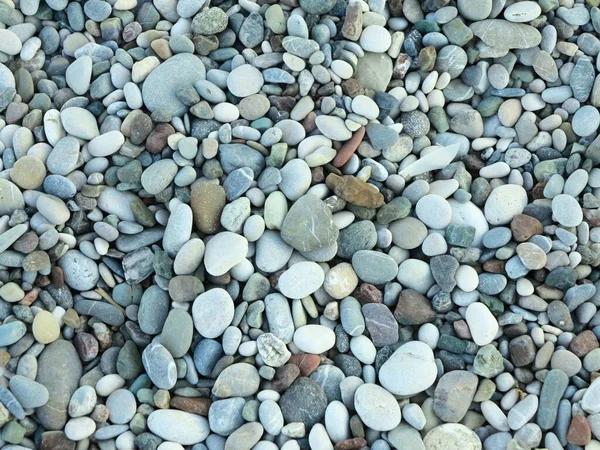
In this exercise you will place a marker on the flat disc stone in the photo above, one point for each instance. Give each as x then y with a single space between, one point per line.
179 72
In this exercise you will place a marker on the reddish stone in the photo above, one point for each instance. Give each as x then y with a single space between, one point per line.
524 226
349 147
310 122
86 345
579 432
30 297
351 87
462 329
194 405
157 139
413 308
584 343
351 444
367 293
494 266
307 363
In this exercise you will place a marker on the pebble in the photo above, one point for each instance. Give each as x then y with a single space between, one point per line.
376 407
236 225
409 370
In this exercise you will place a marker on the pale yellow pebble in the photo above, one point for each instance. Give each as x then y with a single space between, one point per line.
45 328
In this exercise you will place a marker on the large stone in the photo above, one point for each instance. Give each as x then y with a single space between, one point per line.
411 369
304 401
59 370
308 225
374 71
506 35
160 88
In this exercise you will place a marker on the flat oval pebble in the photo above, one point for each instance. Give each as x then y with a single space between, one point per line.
409 370
376 407
301 280
314 339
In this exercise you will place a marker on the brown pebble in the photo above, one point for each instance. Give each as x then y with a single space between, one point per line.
367 293
413 308
42 281
157 139
276 43
86 345
395 7
284 377
282 103
351 87
537 192
56 440
579 432
524 226
317 175
207 203
310 122
584 343
494 266
198 405
473 162
349 147
351 444
522 351
355 190
306 363
58 277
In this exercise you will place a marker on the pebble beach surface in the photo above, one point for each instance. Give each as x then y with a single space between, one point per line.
299 224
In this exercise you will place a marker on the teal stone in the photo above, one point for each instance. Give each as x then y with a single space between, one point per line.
460 235
554 387
11 333
452 344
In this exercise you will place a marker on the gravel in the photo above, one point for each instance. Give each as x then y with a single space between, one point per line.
285 225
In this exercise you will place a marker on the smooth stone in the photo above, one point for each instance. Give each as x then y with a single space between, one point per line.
301 280
315 339
237 380
80 272
224 251
376 407
59 371
244 80
482 324
409 370
160 366
451 436
178 426
505 202
29 393
213 312
160 88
